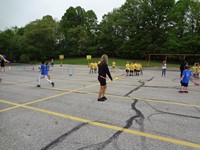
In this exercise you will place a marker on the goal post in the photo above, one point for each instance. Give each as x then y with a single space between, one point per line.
190 57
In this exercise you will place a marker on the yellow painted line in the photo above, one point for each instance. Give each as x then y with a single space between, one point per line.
118 96
61 94
49 97
10 108
148 135
147 100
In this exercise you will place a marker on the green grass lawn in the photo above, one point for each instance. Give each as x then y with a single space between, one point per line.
120 62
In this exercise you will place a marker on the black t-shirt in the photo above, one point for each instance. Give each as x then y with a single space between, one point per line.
103 70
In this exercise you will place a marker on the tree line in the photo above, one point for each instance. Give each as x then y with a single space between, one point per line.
134 30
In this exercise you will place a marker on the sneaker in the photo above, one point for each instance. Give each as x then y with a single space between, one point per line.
52 84
100 99
105 98
38 85
181 91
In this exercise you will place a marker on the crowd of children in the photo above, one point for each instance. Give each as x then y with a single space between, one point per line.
133 69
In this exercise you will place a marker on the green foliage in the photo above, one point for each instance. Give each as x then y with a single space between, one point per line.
79 28
132 31
24 58
41 37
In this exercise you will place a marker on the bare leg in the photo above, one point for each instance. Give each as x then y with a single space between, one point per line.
104 90
100 91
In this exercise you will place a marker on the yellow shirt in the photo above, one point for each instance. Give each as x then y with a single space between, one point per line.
131 66
91 65
194 69
127 67
113 64
137 67
95 65
198 69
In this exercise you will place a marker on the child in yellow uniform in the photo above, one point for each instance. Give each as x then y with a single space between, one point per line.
95 65
137 67
195 70
113 65
198 70
140 68
91 67
127 68
131 67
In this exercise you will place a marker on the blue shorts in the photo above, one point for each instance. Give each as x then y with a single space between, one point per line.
184 84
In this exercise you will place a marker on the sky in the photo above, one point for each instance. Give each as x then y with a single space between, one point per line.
21 12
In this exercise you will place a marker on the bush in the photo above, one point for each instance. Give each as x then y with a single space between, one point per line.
24 58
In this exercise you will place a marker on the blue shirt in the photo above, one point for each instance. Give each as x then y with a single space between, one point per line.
43 69
187 74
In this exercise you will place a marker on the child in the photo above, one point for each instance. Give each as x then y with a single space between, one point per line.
195 71
131 67
43 69
198 70
3 60
186 75
47 70
95 65
127 68
91 67
52 62
113 65
137 67
164 67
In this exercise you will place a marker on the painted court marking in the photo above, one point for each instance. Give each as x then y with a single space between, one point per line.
152 136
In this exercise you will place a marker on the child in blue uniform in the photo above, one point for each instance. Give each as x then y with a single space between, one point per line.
43 69
186 75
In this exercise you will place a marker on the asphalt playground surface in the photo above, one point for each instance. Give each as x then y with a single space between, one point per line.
143 112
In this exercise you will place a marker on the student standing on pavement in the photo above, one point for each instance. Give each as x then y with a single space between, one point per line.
2 61
182 67
186 75
164 67
103 71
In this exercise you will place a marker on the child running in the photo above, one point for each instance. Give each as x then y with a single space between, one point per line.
44 72
48 68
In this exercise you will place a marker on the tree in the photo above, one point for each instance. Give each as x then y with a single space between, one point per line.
79 28
184 25
41 38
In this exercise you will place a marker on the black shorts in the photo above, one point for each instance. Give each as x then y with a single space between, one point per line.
184 84
102 81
